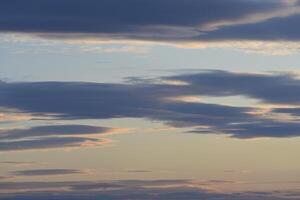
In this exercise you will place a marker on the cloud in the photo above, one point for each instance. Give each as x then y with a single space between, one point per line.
138 171
54 136
158 100
258 129
133 189
269 88
87 185
106 101
53 130
153 20
277 29
112 16
294 111
50 143
20 164
47 172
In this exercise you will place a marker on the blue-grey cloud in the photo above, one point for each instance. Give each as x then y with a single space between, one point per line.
89 185
53 130
117 190
52 136
104 101
284 29
291 111
155 101
47 172
47 143
148 19
266 129
258 129
112 15
269 88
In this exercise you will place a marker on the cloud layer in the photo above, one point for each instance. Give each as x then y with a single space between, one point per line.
160 100
168 20
130 189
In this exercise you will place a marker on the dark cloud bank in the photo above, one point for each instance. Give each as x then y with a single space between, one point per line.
128 189
190 20
153 101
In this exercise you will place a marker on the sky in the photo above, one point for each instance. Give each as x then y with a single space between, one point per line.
149 99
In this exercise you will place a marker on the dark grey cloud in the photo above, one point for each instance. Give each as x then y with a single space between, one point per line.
270 88
146 19
153 101
113 15
89 185
282 29
258 129
46 143
108 16
47 172
53 130
117 190
52 136
266 129
105 101
76 100
291 111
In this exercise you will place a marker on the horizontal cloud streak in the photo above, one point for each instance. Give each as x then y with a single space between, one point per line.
49 143
258 129
284 29
158 101
167 20
270 88
47 172
53 130
109 16
55 136
134 189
